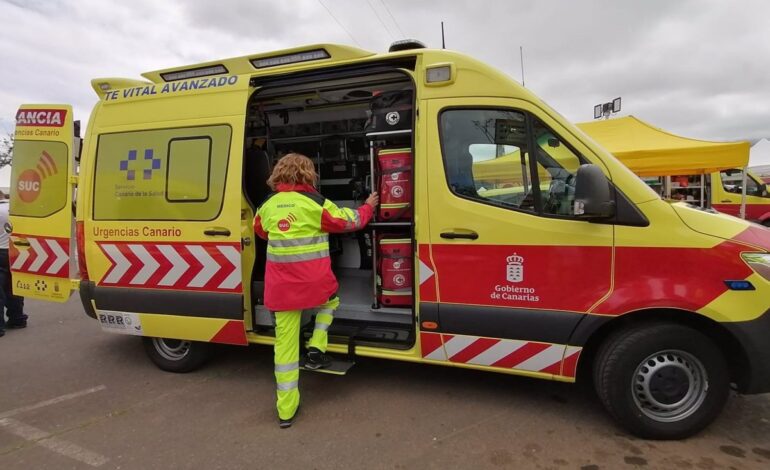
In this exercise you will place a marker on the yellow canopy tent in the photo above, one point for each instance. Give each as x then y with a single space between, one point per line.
506 169
651 151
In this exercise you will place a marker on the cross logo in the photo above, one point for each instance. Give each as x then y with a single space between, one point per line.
146 172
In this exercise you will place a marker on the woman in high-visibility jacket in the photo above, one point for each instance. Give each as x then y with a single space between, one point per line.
296 222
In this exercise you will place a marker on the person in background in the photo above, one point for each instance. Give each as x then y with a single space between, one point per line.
11 305
296 222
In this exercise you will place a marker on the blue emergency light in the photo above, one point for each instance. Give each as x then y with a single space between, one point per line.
740 285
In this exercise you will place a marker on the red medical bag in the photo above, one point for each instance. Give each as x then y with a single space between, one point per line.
396 274
395 169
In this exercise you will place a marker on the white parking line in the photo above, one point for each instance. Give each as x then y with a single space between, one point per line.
46 440
43 439
52 401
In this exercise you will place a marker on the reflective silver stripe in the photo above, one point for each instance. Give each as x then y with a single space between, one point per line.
276 258
304 241
322 326
326 311
286 367
286 386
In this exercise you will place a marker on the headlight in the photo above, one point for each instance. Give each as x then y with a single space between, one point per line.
759 262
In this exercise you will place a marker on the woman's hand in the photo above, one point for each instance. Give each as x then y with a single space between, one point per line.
373 199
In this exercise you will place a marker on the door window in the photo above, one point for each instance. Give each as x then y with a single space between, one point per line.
165 174
488 159
732 182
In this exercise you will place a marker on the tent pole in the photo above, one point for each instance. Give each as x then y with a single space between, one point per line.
743 193
702 189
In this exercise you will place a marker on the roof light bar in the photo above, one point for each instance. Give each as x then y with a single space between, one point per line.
275 61
194 73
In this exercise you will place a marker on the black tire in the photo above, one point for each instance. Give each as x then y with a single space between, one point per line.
174 355
661 380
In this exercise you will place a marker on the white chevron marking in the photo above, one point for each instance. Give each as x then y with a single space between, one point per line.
121 264
178 265
19 262
61 257
210 267
234 257
41 255
149 264
497 352
425 272
543 359
457 344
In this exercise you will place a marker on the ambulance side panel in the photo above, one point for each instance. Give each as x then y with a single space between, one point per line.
41 242
511 284
162 211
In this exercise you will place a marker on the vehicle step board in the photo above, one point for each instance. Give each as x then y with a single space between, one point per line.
337 367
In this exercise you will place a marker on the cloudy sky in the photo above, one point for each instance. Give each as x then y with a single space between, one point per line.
699 68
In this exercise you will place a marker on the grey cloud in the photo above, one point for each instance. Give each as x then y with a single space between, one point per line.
694 67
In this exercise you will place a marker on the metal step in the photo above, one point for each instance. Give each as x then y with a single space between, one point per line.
337 367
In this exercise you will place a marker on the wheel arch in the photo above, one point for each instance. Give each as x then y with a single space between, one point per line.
594 333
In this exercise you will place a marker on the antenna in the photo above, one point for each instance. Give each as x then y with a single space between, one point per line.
521 55
443 44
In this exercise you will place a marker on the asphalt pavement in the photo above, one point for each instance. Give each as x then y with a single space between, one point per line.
74 397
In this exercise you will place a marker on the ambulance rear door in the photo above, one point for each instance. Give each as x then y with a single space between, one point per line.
40 222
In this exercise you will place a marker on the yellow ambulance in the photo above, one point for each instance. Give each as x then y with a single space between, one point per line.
533 251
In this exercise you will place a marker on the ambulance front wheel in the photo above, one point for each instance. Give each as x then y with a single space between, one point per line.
662 380
175 355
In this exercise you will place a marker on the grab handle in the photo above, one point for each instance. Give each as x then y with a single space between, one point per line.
469 235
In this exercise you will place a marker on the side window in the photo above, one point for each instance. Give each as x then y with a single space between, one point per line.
487 158
189 169
166 174
732 182
557 166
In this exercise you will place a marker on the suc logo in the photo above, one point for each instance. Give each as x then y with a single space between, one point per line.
31 180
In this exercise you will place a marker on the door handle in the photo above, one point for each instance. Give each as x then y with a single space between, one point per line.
21 243
470 235
217 232
725 200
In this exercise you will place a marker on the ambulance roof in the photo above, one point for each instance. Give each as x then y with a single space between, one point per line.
478 77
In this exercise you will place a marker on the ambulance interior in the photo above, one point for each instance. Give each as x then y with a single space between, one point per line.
329 121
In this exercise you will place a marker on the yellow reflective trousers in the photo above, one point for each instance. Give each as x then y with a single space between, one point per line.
286 350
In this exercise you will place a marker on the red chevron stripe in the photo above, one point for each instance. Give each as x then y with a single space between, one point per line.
223 270
227 269
133 261
474 349
192 271
429 342
163 269
520 355
51 257
65 246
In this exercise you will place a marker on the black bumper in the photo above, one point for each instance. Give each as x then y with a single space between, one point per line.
754 338
86 295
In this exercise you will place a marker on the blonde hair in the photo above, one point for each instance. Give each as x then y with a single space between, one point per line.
293 168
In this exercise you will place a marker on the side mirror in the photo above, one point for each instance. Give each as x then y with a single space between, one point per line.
593 199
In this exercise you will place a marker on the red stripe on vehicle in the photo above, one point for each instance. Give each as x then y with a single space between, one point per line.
232 332
520 355
474 349
429 342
